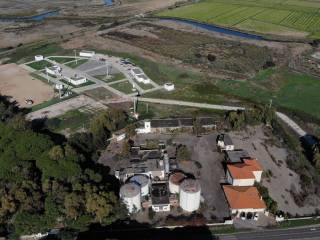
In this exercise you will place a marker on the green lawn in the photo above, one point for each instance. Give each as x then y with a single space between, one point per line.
263 16
50 102
71 120
288 90
299 223
62 60
125 87
77 64
40 65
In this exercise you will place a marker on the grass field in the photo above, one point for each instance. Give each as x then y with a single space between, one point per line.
124 87
263 16
62 60
40 65
76 64
292 91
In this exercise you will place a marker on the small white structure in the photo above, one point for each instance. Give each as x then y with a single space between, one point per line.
143 181
38 58
76 80
59 86
190 191
225 143
54 70
175 180
169 86
139 75
130 193
244 174
88 54
146 129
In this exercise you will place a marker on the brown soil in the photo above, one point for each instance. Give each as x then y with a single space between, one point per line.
16 82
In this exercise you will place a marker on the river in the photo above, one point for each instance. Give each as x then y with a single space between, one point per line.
38 17
214 28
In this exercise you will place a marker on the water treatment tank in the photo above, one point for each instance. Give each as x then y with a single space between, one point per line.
174 182
143 181
190 191
131 196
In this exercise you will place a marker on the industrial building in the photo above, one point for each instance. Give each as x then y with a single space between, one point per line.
54 70
76 80
167 125
154 174
139 75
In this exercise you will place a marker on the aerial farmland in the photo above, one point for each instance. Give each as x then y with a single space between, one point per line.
294 17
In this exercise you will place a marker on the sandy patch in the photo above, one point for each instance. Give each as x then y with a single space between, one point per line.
17 83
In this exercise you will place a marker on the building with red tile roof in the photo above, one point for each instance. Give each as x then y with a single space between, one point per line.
245 173
244 199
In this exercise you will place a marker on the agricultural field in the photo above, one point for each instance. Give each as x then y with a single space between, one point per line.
293 17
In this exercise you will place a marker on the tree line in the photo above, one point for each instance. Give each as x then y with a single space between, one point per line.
45 185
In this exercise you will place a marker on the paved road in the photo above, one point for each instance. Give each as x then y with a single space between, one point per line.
284 234
291 124
190 104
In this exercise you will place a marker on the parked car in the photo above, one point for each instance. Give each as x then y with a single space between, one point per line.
249 215
243 216
256 217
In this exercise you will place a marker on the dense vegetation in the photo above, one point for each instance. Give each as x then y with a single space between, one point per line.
265 16
46 185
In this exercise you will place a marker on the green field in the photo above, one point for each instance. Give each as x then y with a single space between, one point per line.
62 60
295 92
124 87
283 17
40 65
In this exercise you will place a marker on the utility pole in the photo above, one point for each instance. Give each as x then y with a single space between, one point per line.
48 77
135 100
75 56
147 107
270 104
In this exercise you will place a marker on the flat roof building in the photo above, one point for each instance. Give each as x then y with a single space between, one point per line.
236 156
160 197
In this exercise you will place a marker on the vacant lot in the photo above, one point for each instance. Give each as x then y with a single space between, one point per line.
291 17
16 82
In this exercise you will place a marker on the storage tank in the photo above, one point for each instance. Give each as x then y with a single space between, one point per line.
190 191
143 181
174 182
130 193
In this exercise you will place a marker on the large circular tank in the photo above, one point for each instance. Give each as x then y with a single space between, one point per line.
175 180
143 181
190 191
130 193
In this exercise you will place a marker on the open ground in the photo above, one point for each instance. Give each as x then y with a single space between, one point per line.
17 83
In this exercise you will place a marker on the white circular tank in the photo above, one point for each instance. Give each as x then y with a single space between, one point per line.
143 181
175 180
190 191
131 196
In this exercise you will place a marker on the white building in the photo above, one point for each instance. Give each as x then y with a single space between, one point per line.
169 86
139 75
38 58
88 54
243 200
76 80
244 174
225 143
54 70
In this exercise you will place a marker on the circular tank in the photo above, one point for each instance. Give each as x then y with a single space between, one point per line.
190 191
143 181
174 182
130 193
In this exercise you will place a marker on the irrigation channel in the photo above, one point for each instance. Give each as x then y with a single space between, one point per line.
214 28
38 17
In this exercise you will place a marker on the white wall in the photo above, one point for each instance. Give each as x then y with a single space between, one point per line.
257 175
246 210
239 182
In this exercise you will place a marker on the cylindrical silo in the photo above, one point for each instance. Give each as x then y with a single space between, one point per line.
143 181
130 193
175 180
190 191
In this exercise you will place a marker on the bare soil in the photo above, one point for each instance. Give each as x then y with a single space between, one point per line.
16 82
